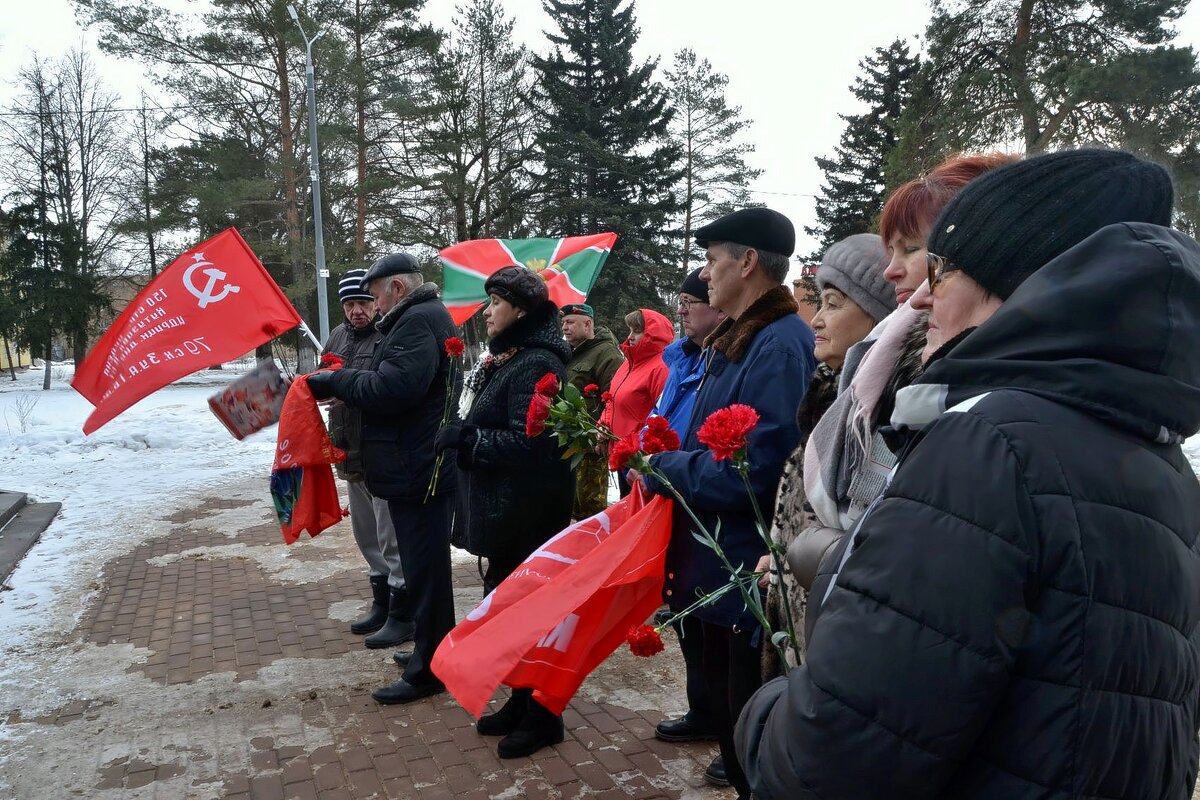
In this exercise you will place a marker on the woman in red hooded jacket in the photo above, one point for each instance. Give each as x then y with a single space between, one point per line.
640 380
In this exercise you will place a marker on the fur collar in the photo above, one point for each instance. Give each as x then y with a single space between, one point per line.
538 328
732 337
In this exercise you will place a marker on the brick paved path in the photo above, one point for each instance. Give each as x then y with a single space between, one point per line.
211 661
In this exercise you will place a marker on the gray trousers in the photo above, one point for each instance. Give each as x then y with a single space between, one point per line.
371 522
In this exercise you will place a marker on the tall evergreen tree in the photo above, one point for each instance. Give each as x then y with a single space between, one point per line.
608 163
708 132
854 189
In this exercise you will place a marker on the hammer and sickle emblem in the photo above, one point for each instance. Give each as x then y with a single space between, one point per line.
205 295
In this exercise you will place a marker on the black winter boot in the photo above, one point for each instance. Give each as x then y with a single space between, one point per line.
378 614
399 627
505 721
537 729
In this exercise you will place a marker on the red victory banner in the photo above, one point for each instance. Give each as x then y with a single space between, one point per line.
569 267
564 610
213 303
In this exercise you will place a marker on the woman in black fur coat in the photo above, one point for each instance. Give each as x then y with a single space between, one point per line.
515 492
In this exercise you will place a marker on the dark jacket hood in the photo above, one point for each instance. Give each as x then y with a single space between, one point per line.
538 328
1108 327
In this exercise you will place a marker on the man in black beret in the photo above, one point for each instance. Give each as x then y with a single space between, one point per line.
761 356
402 395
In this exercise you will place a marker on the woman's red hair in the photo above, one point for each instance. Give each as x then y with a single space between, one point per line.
912 208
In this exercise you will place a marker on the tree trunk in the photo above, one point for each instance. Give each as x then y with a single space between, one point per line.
360 103
1026 101
46 374
12 368
146 191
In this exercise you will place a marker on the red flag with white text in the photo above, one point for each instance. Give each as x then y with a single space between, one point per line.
564 610
213 303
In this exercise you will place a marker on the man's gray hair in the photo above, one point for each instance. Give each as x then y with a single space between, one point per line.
411 280
774 265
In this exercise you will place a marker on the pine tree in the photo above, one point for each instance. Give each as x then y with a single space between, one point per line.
854 189
608 164
707 131
1049 73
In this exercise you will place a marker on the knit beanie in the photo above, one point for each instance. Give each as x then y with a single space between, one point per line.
520 286
694 286
854 266
1008 223
350 286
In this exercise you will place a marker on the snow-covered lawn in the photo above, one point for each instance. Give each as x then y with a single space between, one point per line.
167 445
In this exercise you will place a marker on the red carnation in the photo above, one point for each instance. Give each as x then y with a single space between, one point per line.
548 385
331 360
644 641
725 430
455 347
658 436
536 416
620 452
591 389
606 398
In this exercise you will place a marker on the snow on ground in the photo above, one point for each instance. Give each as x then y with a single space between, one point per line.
167 445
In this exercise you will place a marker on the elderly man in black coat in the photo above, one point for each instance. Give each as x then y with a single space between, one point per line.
402 396
1018 616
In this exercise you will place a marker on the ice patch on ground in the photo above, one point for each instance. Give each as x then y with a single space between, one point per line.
274 559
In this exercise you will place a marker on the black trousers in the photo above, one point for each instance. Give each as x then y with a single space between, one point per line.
423 537
691 642
732 668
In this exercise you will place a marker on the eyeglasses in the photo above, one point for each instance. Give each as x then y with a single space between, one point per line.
937 267
686 304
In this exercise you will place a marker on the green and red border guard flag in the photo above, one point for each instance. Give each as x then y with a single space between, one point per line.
569 266
213 303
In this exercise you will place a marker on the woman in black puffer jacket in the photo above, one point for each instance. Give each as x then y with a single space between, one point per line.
515 492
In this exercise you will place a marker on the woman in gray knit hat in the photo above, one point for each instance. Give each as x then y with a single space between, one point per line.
855 297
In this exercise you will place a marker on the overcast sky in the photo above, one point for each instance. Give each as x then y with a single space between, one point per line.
789 62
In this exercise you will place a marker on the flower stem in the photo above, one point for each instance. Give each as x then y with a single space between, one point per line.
743 468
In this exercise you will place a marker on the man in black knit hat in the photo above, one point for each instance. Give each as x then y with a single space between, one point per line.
1018 615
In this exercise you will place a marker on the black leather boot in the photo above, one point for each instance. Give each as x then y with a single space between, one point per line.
505 721
538 728
399 627
378 614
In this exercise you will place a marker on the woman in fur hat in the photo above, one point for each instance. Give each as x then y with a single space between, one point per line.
501 469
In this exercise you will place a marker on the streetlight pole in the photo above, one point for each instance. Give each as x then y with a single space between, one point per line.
314 174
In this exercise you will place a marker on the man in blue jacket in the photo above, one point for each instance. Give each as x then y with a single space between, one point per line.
761 355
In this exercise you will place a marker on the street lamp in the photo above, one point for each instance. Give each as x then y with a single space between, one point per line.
314 174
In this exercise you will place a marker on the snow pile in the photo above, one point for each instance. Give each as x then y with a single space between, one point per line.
133 469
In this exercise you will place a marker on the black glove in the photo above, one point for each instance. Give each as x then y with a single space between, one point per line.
321 384
448 436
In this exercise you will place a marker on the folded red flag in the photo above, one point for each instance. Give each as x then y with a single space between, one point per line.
213 303
302 484
561 613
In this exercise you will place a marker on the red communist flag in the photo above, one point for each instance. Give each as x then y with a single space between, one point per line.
564 610
213 303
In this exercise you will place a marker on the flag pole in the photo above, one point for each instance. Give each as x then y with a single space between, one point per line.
308 332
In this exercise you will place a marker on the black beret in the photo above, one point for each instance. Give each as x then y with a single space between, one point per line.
520 286
394 264
760 228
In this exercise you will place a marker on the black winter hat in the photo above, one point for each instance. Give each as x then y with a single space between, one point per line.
760 228
694 286
1008 223
518 285
350 287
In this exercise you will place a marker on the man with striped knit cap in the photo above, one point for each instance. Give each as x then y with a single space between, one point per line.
390 618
